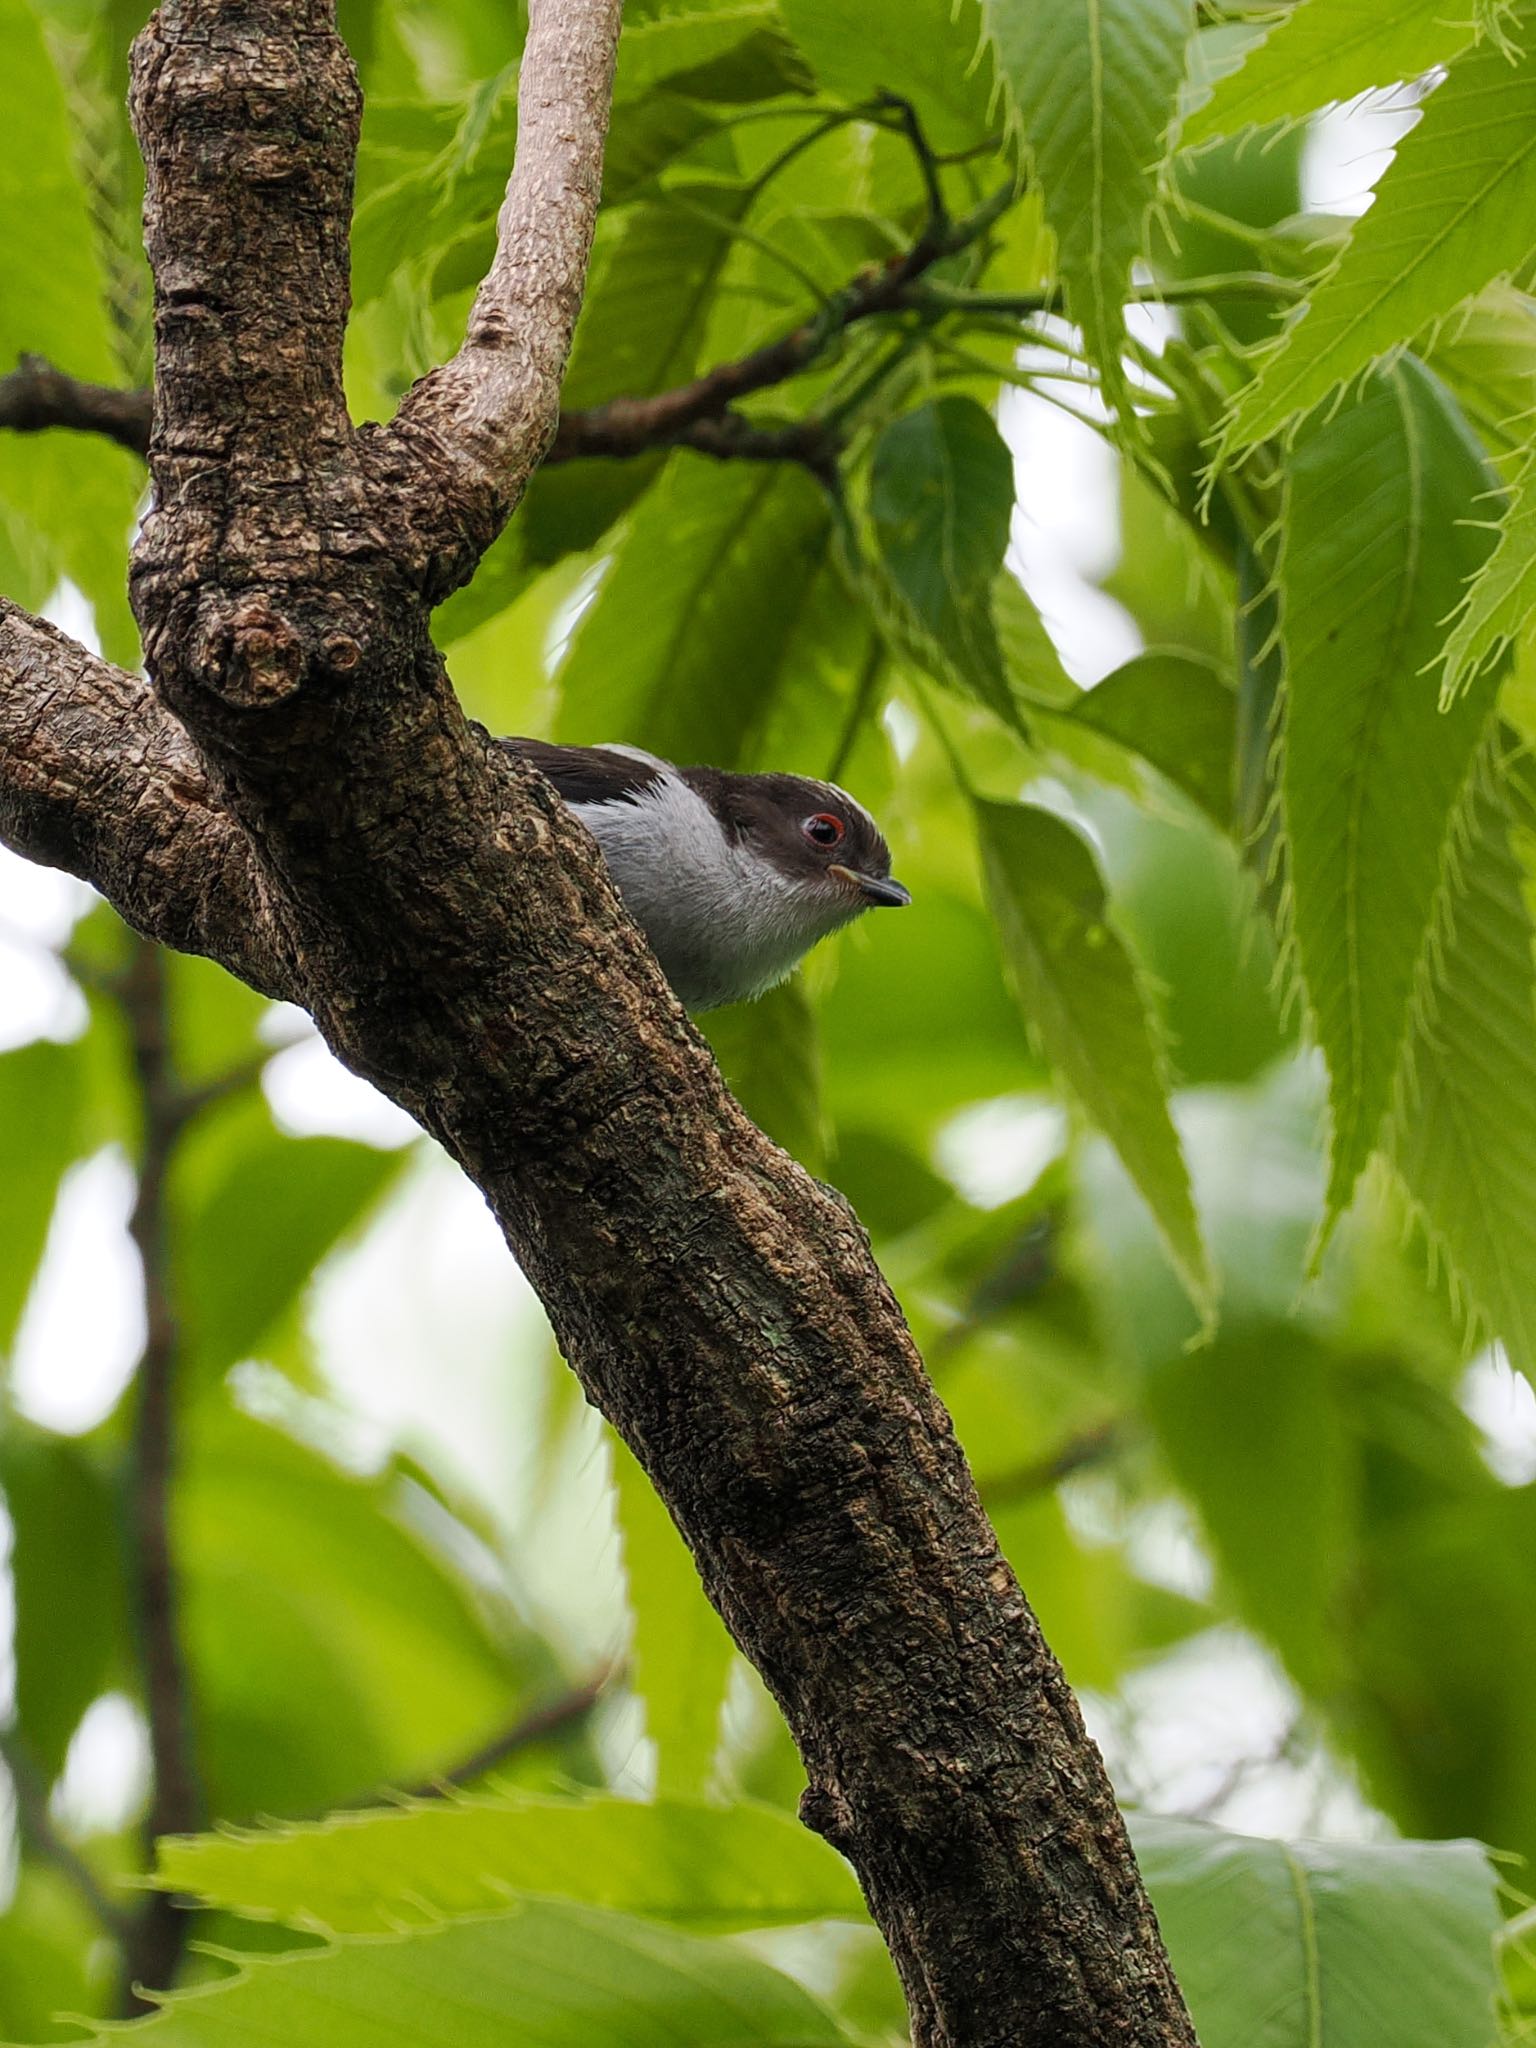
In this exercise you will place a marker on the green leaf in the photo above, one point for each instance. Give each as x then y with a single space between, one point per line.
335 1652
1078 988
544 1976
930 53
708 1868
679 1648
734 52
1501 596
1178 714
74 494
682 649
66 1576
1356 1944
1093 85
770 1054
1463 1132
256 1212
1252 1428
1453 211
1377 542
940 502
42 1088
1328 50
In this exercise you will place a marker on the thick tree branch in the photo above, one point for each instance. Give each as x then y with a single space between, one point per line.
98 779
462 947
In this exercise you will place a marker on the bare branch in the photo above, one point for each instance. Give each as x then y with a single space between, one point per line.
99 779
488 415
38 1832
35 396
569 1710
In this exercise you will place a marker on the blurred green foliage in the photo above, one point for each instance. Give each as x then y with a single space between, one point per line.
1192 1109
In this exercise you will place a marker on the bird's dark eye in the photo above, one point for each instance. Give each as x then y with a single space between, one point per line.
824 829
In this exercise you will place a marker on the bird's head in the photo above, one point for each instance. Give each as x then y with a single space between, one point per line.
814 837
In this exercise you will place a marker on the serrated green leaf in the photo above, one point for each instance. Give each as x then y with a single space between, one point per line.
1463 1131
770 1054
1093 86
931 54
709 1868
1077 986
42 1100
1177 713
1355 1944
940 502
545 1975
1377 543
733 52
1454 210
1501 596
76 495
679 1649
1328 50
66 1578
683 646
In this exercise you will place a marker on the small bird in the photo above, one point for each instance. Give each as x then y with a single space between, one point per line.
732 878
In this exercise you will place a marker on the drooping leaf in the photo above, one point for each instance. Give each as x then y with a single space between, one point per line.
682 648
256 1212
1453 211
770 1053
1092 86
42 1089
679 1649
1286 1944
302 1583
1501 596
67 1582
940 502
1378 538
1078 988
731 53
1463 1131
709 1868
1251 1425
933 56
546 1975
1324 51
1175 711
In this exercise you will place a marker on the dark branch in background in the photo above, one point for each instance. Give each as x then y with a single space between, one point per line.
37 1829
157 1935
35 396
1080 1453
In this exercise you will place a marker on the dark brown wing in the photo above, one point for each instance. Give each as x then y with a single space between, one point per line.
588 775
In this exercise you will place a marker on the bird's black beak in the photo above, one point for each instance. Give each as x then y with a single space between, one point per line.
875 889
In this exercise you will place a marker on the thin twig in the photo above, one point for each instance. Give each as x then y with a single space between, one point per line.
159 1932
1094 1446
44 1839
568 1711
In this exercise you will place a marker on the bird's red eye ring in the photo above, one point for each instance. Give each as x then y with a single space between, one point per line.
824 829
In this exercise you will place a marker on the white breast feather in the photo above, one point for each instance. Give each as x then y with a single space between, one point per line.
725 926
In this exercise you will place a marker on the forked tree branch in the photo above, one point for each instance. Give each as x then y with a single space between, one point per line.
452 930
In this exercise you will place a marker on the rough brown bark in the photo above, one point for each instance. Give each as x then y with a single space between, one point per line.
453 932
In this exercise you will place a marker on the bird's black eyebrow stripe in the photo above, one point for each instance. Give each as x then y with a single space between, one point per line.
588 775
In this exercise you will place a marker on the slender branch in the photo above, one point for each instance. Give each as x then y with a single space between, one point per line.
159 1933
1091 1447
570 1710
490 412
45 1840
35 396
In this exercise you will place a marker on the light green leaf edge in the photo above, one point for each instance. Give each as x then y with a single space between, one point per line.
1324 51
693 1864
1500 600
